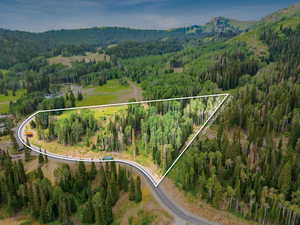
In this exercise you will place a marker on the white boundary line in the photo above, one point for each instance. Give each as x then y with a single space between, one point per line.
133 164
194 137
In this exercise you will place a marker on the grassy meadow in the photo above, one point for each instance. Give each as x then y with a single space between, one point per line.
108 93
4 100
67 61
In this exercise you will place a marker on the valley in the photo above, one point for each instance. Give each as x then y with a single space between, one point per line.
243 171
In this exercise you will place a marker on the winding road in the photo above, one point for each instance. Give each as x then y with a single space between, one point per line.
181 216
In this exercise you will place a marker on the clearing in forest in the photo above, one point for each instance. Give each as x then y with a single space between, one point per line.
153 134
88 57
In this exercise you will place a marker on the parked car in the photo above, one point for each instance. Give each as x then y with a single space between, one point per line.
107 158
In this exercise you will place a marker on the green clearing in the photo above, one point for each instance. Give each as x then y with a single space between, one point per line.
292 23
4 71
67 61
252 41
98 112
105 94
4 100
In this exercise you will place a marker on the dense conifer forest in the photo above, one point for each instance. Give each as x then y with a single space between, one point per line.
247 165
90 194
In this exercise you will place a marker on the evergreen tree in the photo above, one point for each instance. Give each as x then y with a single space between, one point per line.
79 96
132 191
285 178
138 191
41 159
88 213
93 171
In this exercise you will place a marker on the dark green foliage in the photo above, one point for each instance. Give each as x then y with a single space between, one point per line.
41 159
135 49
138 194
229 68
170 85
70 130
26 104
247 167
93 171
88 214
135 191
48 203
132 189
79 96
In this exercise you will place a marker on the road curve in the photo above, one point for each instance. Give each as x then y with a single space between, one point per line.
182 217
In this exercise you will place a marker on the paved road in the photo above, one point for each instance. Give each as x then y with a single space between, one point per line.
181 216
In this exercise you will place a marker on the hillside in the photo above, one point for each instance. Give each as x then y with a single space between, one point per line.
20 47
283 14
246 166
223 25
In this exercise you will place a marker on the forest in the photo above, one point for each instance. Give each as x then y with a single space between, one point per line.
77 192
247 165
251 167
158 131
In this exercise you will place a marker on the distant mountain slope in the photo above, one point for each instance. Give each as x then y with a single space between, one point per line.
250 44
220 26
107 35
19 46
291 11
284 18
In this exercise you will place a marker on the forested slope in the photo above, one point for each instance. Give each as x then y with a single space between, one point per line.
251 166
20 47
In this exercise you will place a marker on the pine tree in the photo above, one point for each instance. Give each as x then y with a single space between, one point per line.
81 176
72 98
98 207
39 173
79 96
108 207
93 171
285 178
132 189
41 159
88 213
138 192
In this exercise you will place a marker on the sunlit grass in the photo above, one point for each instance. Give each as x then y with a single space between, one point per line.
4 100
105 94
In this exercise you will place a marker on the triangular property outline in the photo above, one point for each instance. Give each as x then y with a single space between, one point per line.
210 119
130 163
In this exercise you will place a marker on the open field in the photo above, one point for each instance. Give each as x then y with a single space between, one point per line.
4 71
4 100
111 92
89 57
